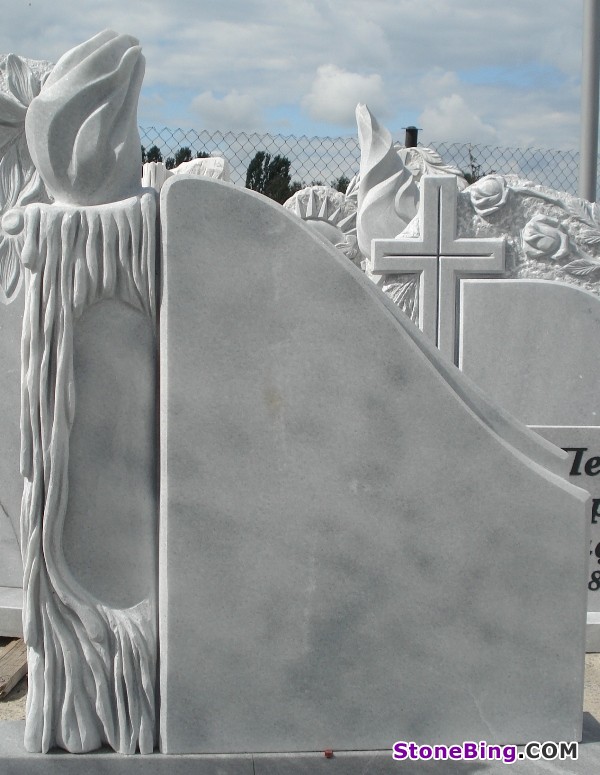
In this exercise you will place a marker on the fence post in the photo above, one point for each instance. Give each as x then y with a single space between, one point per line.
588 157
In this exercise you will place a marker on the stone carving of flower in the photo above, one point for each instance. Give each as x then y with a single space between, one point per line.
489 194
82 127
545 237
20 183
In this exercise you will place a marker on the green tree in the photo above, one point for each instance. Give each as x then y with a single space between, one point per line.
476 171
341 183
154 154
184 154
271 176
181 155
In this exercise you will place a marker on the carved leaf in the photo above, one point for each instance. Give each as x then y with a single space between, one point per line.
10 267
590 237
403 290
12 119
582 267
427 161
22 83
434 163
32 188
10 178
430 156
583 211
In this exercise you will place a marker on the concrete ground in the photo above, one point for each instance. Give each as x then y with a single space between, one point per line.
591 696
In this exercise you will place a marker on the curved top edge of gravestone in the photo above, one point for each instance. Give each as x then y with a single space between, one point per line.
502 424
535 281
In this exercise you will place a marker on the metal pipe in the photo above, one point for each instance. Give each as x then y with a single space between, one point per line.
588 157
411 136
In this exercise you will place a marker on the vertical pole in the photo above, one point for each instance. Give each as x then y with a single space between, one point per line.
411 137
588 157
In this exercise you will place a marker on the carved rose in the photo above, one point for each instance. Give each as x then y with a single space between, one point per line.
545 237
489 194
82 127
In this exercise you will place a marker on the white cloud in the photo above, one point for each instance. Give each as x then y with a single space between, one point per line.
335 92
451 119
515 65
233 111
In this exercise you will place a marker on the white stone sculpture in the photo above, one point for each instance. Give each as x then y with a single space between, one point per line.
388 195
91 666
331 214
421 160
89 151
549 235
209 167
302 392
20 182
387 188
155 173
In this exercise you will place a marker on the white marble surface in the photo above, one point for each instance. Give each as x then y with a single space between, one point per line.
355 545
11 567
211 167
16 762
534 347
583 447
439 258
388 195
11 481
82 128
11 612
91 646
109 535
88 441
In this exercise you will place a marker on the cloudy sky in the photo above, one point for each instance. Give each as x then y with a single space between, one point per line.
501 72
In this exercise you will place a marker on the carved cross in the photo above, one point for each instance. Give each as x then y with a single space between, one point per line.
441 259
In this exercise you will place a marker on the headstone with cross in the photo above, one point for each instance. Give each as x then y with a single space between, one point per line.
441 259
533 345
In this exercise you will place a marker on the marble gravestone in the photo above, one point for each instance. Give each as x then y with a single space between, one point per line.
11 490
344 535
502 285
348 544
20 183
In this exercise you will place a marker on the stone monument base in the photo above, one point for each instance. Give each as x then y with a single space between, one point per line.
14 760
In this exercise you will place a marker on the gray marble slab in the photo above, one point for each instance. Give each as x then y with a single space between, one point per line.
109 535
583 447
14 761
355 545
11 481
534 347
11 612
11 565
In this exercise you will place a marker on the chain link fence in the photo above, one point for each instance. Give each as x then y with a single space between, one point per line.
326 159
556 169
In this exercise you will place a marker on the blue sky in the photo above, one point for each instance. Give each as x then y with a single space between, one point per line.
501 73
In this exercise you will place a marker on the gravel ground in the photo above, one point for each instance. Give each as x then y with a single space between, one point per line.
12 707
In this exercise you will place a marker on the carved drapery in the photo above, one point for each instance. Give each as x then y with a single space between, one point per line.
91 667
